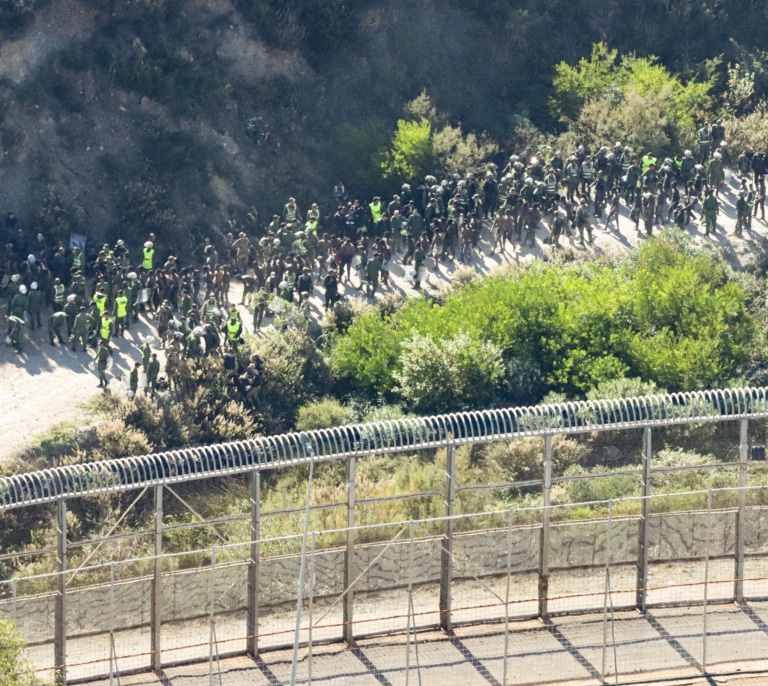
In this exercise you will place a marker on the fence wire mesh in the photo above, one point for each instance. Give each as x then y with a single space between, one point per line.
427 588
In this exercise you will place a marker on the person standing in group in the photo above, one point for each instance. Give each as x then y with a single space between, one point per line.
153 371
101 359
711 210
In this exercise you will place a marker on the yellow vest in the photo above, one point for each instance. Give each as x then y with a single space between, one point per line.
106 328
121 305
149 254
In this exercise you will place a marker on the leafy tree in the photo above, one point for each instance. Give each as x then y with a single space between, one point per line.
667 314
14 670
628 98
412 154
454 374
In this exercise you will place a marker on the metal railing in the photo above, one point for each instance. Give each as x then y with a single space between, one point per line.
636 420
386 437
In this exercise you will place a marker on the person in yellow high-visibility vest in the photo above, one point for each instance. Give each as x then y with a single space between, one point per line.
148 256
107 329
121 313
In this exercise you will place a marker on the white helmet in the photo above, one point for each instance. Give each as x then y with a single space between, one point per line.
723 144
133 275
276 242
15 277
197 331
688 153
31 259
33 285
129 393
215 311
71 298
149 339
148 245
717 156
23 289
529 179
283 284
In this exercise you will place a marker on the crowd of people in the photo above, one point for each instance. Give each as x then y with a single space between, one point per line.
89 300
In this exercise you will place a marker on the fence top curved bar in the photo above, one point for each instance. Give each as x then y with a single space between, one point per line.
390 436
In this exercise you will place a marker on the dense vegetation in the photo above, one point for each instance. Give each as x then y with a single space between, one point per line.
663 313
157 115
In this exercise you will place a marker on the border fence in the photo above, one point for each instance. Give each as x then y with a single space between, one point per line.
671 577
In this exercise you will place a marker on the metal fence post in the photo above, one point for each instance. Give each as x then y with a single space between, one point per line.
507 594
252 619
544 537
642 538
446 556
607 600
60 630
738 590
349 558
706 584
157 583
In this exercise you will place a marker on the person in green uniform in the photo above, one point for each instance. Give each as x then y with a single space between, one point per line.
80 329
16 332
95 326
101 359
56 322
372 271
260 300
71 308
146 352
20 303
711 210
133 379
153 371
35 306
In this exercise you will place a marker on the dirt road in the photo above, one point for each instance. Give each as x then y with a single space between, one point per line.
48 388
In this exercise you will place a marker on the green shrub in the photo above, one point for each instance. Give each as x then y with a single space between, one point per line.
322 414
454 374
14 668
523 459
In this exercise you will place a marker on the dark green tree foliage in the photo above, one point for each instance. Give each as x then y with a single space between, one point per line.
665 314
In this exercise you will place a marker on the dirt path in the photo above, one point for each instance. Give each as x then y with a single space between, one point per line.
51 387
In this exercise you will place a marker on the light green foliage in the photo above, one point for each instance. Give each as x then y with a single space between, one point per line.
631 98
426 143
596 77
623 388
14 670
459 151
322 414
293 374
750 131
668 315
457 373
412 154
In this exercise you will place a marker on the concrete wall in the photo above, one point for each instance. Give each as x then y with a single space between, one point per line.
187 594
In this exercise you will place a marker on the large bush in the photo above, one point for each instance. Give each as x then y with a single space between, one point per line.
14 670
455 374
667 314
629 98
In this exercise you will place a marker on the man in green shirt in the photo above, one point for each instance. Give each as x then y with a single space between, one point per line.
35 306
153 371
711 210
15 331
101 359
133 379
80 328
56 322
